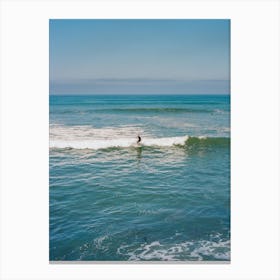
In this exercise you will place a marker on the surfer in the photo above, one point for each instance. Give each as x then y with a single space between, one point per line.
139 139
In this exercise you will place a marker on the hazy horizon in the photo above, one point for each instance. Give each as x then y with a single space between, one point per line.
119 94
139 57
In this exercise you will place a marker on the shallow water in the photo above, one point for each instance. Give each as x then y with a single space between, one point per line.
167 199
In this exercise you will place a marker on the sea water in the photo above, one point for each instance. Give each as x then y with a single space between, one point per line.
166 199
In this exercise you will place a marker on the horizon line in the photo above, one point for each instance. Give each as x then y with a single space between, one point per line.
84 94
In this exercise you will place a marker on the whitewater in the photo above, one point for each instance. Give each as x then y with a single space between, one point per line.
123 142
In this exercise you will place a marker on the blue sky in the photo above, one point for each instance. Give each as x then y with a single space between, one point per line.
139 56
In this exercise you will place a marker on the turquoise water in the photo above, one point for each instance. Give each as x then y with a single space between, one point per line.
167 199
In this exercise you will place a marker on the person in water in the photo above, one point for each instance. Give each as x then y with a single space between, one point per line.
139 139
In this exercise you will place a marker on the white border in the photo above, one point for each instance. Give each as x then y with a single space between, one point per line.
255 137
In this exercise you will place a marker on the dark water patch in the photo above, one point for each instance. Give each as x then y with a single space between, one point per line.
194 142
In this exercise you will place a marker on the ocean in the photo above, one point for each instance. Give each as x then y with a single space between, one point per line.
165 199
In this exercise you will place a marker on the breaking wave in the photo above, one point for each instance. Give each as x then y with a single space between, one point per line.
141 110
184 141
190 250
121 143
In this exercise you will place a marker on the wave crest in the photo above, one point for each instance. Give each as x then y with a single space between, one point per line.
184 141
118 143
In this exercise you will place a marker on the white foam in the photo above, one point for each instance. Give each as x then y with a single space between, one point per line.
120 142
189 250
98 241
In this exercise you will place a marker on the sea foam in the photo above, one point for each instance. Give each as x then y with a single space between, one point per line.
192 250
121 142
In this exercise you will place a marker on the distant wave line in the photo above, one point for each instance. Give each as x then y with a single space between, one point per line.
142 110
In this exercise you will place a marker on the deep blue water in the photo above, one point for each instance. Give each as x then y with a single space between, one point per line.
113 200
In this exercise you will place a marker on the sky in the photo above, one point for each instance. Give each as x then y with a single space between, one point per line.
139 56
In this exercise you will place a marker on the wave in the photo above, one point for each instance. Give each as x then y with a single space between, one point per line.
190 250
183 141
203 141
156 110
141 110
